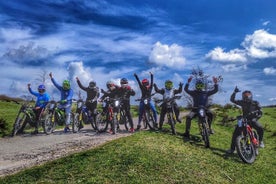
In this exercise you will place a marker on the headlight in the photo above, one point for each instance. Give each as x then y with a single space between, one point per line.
201 112
240 122
79 104
146 101
117 103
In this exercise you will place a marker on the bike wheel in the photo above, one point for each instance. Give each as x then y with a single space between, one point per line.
150 120
19 123
49 123
245 149
205 134
124 120
101 123
76 123
93 120
172 122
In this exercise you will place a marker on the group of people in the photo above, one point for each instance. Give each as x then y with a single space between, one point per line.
199 96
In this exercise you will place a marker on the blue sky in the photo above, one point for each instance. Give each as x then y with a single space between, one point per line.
107 40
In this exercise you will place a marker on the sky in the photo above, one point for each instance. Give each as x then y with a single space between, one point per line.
104 40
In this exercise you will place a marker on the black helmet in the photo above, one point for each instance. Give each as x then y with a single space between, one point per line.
123 81
247 96
92 84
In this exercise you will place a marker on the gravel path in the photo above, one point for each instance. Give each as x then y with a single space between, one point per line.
24 151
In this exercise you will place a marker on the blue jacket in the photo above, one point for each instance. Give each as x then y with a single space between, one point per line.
41 100
64 94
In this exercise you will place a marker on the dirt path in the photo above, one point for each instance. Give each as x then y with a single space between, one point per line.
24 151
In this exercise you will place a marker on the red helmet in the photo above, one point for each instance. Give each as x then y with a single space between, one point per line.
145 82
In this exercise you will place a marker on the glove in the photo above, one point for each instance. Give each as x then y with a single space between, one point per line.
181 84
215 80
190 79
236 90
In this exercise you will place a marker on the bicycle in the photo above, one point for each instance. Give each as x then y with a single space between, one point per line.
247 142
147 118
203 125
26 116
169 103
84 116
109 115
55 116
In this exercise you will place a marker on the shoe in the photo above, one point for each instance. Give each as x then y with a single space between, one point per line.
186 135
66 129
261 144
230 151
34 132
131 130
81 126
138 127
212 131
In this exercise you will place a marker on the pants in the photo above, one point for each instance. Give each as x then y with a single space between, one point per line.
126 107
192 114
141 111
164 111
67 109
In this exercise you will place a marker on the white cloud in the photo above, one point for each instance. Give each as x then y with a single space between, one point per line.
233 67
272 99
270 71
169 56
260 44
266 23
235 55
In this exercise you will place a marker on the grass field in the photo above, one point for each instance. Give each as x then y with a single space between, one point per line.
159 157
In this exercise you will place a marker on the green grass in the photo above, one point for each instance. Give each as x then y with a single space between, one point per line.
159 157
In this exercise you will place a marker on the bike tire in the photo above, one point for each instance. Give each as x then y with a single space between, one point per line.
93 119
49 123
205 134
172 123
101 123
76 123
150 120
245 149
18 125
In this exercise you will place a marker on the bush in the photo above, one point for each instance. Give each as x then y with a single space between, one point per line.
3 127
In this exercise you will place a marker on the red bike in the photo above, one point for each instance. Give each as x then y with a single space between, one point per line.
247 142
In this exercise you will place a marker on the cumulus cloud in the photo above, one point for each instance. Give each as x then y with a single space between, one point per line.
260 44
167 55
27 54
233 67
270 71
235 55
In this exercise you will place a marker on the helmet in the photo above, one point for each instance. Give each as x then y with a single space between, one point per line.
109 84
199 85
145 82
41 88
123 81
92 84
247 96
168 84
66 85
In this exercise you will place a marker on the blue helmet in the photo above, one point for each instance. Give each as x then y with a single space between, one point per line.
41 88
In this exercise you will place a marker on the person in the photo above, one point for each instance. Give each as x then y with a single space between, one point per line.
146 90
200 98
66 95
168 92
41 102
125 92
112 92
92 94
250 109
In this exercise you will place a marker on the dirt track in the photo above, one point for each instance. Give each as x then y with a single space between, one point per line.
24 151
